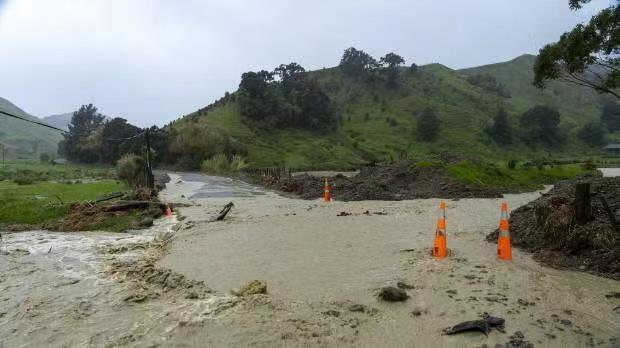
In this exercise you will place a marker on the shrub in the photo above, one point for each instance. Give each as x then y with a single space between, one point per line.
588 164
23 181
44 157
237 163
512 164
216 164
131 170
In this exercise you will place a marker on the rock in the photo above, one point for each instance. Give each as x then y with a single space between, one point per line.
357 308
416 312
614 294
332 313
566 322
403 285
393 294
146 222
252 288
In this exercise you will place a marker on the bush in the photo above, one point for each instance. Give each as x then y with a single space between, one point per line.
220 164
23 181
131 170
44 157
428 125
237 163
512 164
588 165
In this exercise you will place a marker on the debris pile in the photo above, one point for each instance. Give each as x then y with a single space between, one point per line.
398 181
548 227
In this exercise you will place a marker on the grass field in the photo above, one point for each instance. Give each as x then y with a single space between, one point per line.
39 202
520 178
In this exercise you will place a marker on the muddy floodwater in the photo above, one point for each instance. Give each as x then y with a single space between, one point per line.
323 264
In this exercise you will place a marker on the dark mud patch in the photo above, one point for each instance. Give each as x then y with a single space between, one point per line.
398 181
547 227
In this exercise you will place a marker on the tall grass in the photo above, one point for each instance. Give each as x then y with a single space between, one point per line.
220 164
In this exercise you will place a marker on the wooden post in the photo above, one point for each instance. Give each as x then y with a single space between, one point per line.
150 181
583 206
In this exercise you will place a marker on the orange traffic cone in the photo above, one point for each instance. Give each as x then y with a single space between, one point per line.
440 247
504 251
326 196
168 212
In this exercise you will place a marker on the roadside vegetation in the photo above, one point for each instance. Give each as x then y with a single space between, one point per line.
522 177
66 197
43 201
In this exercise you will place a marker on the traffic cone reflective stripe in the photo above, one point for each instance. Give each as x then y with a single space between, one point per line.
440 247
326 195
504 250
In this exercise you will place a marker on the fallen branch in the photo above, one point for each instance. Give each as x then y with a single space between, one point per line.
224 211
107 198
127 205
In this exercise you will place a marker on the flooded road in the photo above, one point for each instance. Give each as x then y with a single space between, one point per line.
610 171
315 261
142 289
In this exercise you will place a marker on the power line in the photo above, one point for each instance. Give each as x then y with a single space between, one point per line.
123 139
64 131
31 121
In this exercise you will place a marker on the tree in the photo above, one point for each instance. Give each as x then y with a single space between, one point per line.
610 115
259 98
76 144
392 62
593 133
428 125
118 128
291 76
540 125
489 84
587 55
357 63
500 129
316 110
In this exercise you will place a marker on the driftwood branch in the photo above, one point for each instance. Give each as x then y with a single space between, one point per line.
107 198
224 211
127 205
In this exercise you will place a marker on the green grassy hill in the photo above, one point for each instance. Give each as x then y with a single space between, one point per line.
24 139
379 123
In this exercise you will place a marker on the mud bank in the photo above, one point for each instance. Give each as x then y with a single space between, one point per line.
547 227
392 183
324 269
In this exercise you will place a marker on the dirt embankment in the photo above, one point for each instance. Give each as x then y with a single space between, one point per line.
398 181
547 227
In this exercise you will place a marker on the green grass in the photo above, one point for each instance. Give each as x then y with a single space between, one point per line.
32 204
520 178
464 110
37 171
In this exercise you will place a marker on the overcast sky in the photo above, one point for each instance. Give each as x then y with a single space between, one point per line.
151 61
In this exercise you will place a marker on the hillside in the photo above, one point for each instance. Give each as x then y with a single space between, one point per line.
379 123
61 120
23 139
574 103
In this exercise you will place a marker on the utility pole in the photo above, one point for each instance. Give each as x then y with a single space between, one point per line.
150 180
